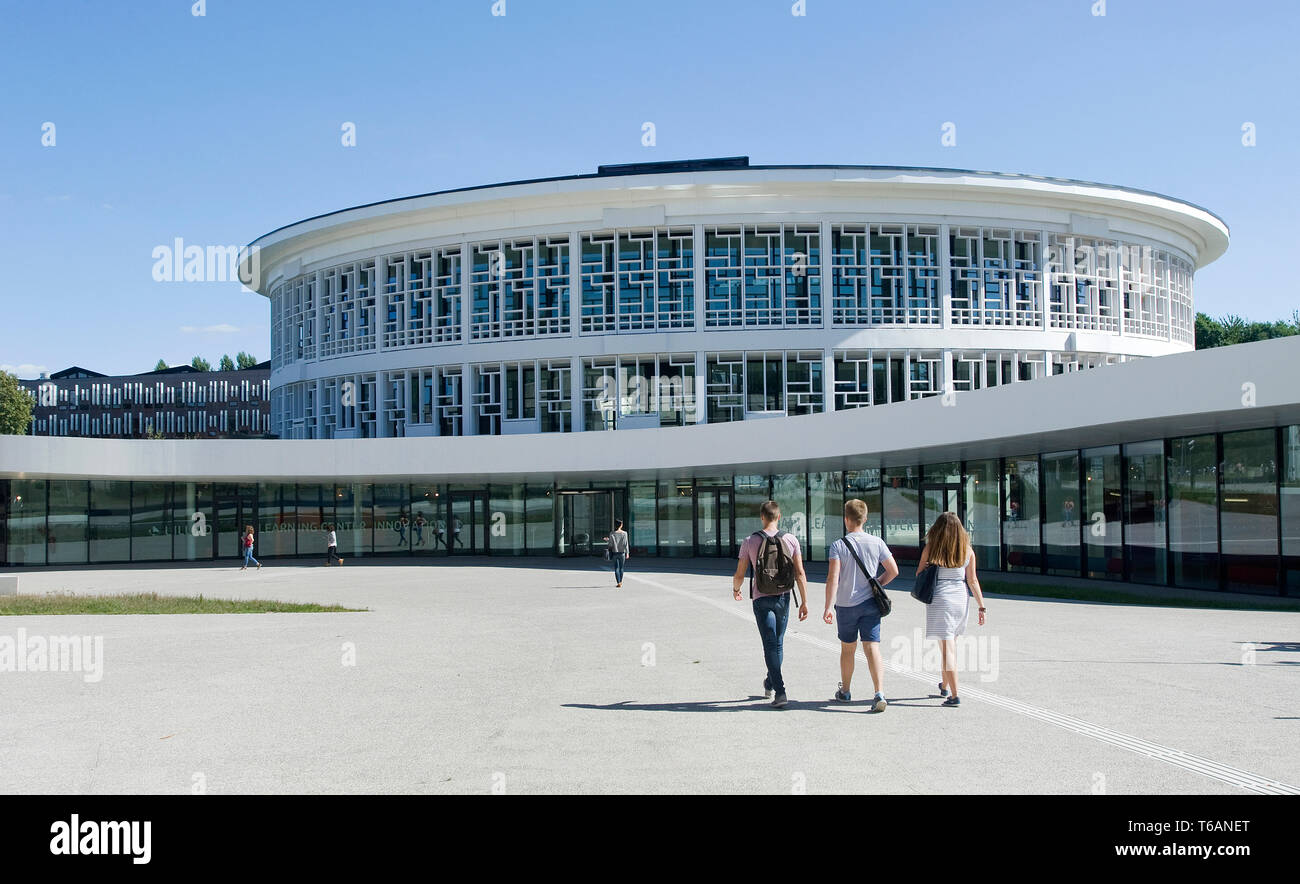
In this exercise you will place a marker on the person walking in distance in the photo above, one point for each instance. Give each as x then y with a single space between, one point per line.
332 547
778 567
616 545
948 548
850 560
247 541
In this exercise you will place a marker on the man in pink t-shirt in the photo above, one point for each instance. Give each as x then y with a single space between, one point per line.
771 611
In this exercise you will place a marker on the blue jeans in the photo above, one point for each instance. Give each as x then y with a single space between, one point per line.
248 557
618 559
772 612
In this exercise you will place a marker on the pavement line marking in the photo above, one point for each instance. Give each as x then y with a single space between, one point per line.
1194 763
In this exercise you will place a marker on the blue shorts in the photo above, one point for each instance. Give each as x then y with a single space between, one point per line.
860 620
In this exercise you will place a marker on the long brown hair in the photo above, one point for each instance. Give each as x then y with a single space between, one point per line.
947 543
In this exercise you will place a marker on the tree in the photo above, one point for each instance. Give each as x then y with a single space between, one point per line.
16 405
245 360
1233 329
201 364
161 366
227 364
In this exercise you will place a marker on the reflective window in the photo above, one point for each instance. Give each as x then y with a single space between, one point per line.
1104 534
1063 526
110 521
506 520
1248 509
1193 517
676 518
982 511
901 510
1290 508
1145 512
67 521
1020 528
394 531
26 529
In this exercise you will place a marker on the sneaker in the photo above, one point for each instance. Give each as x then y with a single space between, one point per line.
779 701
943 690
259 566
879 704
842 695
952 701
767 688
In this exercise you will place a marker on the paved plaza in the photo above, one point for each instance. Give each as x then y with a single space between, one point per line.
538 676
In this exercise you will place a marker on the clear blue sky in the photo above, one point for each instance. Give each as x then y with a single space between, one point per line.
219 129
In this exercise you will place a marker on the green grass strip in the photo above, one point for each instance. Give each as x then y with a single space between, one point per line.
153 603
1128 597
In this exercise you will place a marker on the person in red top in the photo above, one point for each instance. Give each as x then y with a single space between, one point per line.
247 541
771 611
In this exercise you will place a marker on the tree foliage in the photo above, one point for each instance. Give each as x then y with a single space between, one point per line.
201 364
16 405
1233 329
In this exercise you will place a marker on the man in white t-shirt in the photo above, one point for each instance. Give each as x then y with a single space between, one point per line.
856 610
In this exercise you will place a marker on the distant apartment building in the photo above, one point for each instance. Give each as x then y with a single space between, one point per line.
175 403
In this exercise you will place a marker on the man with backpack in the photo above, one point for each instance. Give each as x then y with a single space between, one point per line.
778 568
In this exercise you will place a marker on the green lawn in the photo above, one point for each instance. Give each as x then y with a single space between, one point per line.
1125 596
152 603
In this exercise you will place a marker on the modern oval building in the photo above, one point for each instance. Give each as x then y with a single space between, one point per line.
506 369
668 294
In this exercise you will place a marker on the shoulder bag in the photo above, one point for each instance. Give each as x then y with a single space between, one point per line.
877 591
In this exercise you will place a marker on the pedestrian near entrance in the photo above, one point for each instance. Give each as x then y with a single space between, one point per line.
332 547
247 541
617 551
948 548
852 560
777 564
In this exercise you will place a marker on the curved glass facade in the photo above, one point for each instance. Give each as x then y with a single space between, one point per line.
715 289
1215 511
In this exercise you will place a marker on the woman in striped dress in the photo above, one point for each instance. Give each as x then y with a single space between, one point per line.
948 548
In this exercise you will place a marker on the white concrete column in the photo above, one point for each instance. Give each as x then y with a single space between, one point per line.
468 425
826 277
945 277
1044 243
700 389
697 257
575 283
575 394
828 380
381 307
466 291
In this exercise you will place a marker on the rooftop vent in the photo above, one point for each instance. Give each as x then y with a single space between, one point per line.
705 165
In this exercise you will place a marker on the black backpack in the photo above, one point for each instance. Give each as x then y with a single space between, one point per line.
773 567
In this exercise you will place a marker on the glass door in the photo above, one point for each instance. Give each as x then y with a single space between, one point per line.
713 529
235 506
940 497
467 523
586 519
